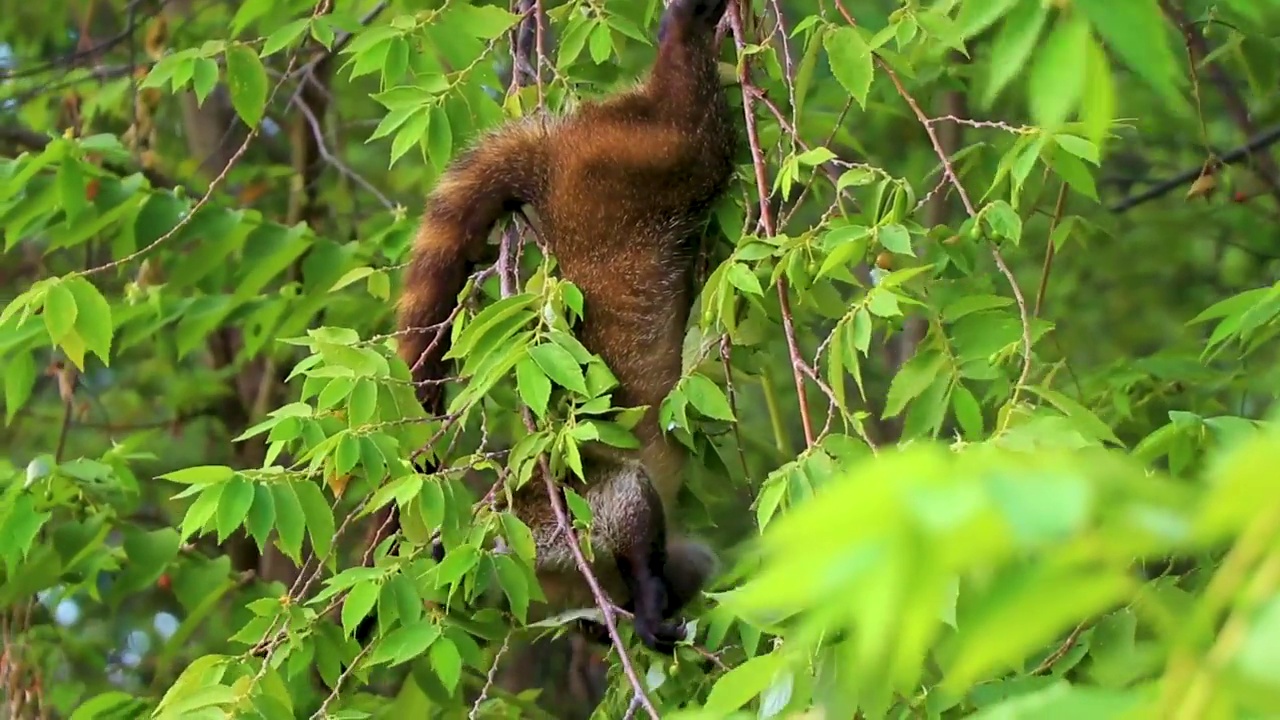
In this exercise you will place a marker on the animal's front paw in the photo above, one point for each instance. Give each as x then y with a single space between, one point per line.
659 635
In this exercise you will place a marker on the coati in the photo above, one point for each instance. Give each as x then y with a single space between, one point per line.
623 188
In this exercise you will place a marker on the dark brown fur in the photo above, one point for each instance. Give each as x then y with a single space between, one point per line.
622 189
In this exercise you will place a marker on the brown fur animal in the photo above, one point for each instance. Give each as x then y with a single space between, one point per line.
623 189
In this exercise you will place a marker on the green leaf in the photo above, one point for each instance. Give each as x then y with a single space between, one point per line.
447 662
560 366
112 704
246 83
1056 80
358 603
1063 700
149 556
19 379
205 505
601 43
533 386
262 515
277 40
514 583
457 562
233 507
318 514
851 61
1097 108
71 188
741 277
405 643
1041 601
708 398
740 685
93 318
204 78
1138 33
439 137
484 22
915 376
978 15
347 454
968 412
249 11
1012 46
290 520
413 130
362 403
200 475
895 238
1004 221
59 311
1073 171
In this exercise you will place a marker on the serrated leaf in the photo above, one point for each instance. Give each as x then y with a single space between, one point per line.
19 380
708 398
71 189
93 318
600 43
560 366
912 379
533 386
59 311
1097 107
1012 45
484 22
246 84
290 520
233 507
277 40
743 683
1055 80
204 78
1136 31
447 662
850 60
968 411
201 510
895 239
457 563
1004 221
359 601
262 515
318 514
439 137
413 130
200 474
405 643
741 277
978 15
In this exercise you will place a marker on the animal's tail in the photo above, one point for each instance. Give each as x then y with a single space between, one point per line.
506 170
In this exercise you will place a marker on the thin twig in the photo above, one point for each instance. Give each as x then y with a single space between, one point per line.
1058 209
766 219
